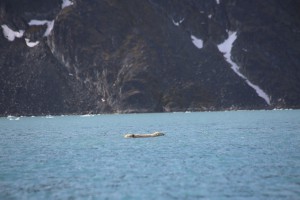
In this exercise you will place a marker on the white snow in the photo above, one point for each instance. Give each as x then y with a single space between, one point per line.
177 23
225 48
9 34
260 92
209 16
50 25
37 22
218 1
66 3
197 42
31 44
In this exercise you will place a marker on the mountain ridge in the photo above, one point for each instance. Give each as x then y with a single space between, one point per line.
148 56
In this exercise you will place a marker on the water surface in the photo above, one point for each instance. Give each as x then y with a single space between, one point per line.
209 155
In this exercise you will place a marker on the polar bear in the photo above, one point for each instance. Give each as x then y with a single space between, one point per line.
155 134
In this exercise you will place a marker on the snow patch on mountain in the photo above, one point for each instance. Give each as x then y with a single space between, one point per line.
197 42
218 1
31 44
66 3
225 48
177 23
9 34
50 25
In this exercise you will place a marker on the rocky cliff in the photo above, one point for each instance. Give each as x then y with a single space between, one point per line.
103 56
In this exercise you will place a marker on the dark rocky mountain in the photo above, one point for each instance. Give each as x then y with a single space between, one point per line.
103 56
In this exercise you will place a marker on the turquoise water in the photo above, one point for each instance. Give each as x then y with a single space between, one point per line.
209 155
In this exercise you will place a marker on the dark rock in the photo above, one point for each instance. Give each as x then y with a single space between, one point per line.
138 56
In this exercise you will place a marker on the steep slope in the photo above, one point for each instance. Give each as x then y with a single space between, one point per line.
147 56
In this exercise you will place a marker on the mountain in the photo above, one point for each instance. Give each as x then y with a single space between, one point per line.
115 56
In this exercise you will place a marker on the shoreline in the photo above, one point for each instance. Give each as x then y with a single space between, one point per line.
11 116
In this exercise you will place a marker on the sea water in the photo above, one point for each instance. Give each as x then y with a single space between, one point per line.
208 155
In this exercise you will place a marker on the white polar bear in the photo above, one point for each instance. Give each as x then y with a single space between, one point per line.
155 134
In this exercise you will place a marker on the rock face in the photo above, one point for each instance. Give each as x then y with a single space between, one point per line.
103 56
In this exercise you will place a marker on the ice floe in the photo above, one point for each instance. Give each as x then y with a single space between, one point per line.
225 48
10 117
87 115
